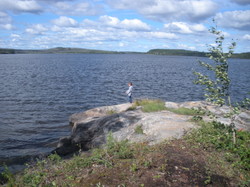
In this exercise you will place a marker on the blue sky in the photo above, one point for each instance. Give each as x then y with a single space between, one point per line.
123 25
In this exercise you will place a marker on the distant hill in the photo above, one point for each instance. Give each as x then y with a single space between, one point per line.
7 51
182 52
177 52
242 55
54 50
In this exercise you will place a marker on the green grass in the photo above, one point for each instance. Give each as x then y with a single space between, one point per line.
150 105
110 112
119 150
133 107
220 137
186 111
139 130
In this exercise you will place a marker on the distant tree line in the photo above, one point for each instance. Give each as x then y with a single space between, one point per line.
178 52
7 51
182 52
174 52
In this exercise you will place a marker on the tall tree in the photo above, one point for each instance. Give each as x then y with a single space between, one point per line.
217 86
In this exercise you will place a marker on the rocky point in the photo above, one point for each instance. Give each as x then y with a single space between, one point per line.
90 128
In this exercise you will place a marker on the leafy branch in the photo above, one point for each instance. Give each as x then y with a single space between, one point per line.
217 87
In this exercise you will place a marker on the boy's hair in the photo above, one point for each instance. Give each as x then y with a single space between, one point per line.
130 83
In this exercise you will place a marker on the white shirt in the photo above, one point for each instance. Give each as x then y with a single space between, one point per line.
129 91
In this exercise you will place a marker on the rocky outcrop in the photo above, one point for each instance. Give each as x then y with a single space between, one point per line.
96 113
220 114
91 127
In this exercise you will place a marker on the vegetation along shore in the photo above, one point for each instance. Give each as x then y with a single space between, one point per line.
62 50
148 143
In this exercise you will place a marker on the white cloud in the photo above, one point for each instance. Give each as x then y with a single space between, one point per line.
185 28
226 34
52 1
109 21
15 36
6 26
79 32
200 45
128 34
163 35
64 21
191 10
83 8
165 46
129 4
184 46
213 44
55 28
19 6
121 44
5 21
241 2
36 29
234 19
246 37
104 31
88 34
134 24
128 24
101 34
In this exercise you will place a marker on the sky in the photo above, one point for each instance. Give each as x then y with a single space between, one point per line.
123 25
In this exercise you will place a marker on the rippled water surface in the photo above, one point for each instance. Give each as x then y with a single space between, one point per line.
40 91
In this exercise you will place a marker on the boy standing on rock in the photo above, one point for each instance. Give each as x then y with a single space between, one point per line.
129 92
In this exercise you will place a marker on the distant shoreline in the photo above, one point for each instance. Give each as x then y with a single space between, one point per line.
64 50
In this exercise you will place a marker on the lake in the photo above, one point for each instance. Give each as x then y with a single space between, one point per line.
40 91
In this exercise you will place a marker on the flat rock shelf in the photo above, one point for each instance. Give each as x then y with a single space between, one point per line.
91 127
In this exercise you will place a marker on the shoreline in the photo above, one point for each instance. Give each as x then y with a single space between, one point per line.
90 128
130 123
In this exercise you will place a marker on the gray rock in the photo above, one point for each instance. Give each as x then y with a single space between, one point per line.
242 121
96 113
225 121
91 127
65 146
171 105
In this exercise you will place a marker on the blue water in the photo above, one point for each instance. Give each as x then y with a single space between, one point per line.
40 91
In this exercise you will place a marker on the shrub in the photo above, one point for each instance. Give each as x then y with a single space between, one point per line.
54 158
217 87
220 137
121 150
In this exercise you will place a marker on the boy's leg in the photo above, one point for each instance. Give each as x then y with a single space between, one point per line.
130 99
